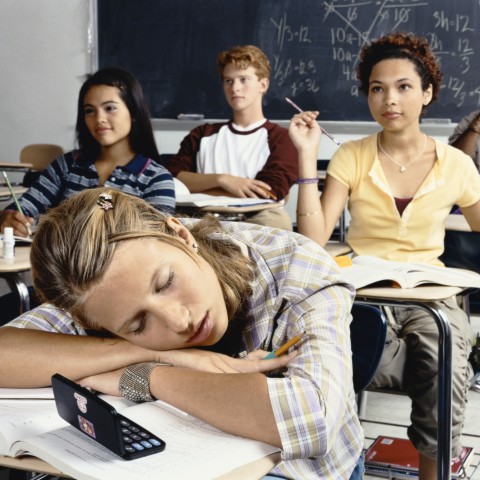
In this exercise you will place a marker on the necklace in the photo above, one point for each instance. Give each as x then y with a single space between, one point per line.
403 167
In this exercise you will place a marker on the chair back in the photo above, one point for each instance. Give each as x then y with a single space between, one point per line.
40 155
368 330
461 251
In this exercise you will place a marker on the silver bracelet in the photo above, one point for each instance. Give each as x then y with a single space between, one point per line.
134 383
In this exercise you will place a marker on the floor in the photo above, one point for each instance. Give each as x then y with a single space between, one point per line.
388 414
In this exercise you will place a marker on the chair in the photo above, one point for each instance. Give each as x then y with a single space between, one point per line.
368 330
461 251
39 155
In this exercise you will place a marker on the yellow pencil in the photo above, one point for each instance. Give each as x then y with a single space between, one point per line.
284 348
270 194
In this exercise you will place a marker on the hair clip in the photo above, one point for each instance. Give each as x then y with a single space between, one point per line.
105 201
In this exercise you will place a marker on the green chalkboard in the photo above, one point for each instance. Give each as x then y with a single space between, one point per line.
171 46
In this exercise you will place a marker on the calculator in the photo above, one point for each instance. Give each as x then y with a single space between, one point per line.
97 419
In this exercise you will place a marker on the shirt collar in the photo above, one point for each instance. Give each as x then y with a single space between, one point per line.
136 166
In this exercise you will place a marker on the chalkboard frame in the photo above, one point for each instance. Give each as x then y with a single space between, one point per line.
190 84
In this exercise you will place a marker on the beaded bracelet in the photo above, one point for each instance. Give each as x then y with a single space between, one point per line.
307 180
308 214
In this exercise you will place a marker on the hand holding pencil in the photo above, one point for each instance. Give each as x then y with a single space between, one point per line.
15 218
284 348
296 107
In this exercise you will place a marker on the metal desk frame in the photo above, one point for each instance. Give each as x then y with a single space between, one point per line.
444 432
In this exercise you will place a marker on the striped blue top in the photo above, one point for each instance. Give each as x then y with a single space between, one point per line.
71 173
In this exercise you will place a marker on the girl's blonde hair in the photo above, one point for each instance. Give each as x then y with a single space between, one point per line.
76 241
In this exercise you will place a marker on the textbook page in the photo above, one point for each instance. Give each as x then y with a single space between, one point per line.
21 419
367 270
45 393
205 200
194 449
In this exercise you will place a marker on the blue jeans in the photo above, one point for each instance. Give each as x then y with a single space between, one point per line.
357 473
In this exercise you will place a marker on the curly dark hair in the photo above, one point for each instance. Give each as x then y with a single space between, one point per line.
401 45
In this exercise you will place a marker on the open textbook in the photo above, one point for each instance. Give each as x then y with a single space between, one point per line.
367 270
194 449
206 200
184 198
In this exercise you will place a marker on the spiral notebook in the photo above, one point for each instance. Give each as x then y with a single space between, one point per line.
392 457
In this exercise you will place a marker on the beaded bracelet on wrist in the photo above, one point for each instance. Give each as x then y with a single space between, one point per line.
307 180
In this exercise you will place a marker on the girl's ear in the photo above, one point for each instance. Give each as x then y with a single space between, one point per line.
182 232
427 95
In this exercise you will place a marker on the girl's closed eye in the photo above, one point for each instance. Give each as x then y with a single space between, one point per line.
140 327
167 284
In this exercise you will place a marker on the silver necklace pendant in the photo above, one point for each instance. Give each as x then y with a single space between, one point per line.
402 168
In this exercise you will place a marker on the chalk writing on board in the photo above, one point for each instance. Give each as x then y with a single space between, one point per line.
171 46
349 25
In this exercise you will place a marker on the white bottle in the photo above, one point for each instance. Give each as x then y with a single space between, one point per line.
8 243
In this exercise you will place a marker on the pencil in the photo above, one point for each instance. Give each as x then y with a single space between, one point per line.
329 135
270 194
12 193
284 348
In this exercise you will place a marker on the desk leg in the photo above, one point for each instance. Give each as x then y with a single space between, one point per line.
444 428
16 283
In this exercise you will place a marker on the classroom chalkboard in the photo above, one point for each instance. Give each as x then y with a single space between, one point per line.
171 46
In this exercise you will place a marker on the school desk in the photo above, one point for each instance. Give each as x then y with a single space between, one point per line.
15 167
6 195
457 222
424 298
251 471
11 269
336 249
227 213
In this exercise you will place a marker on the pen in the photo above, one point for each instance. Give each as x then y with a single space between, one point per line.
330 136
284 348
12 193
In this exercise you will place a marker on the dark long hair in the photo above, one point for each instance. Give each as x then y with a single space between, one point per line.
141 136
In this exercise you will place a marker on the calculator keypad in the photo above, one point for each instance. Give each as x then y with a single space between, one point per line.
136 439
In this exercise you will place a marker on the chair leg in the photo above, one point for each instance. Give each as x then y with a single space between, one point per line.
362 403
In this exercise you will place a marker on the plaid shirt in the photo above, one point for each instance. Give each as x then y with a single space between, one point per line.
297 287
69 174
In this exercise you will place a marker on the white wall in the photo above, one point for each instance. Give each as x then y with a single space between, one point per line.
43 60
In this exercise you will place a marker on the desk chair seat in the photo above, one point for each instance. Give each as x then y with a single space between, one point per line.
367 332
40 155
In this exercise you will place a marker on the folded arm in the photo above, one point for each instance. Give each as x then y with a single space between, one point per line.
30 357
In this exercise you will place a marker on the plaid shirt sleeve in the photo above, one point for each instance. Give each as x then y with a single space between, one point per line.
299 288
48 318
